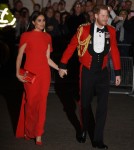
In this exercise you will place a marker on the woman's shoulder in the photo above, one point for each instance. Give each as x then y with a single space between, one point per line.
47 35
25 34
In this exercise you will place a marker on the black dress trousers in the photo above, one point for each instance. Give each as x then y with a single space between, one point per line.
94 81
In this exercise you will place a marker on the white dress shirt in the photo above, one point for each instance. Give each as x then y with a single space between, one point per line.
99 40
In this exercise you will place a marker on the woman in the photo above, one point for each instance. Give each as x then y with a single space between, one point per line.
36 44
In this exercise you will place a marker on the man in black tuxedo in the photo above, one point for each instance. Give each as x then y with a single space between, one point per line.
94 42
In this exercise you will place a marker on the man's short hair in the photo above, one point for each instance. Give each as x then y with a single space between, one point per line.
97 8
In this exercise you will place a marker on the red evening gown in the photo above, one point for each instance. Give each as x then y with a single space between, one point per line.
33 108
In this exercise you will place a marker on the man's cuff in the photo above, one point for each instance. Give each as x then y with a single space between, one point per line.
62 66
117 72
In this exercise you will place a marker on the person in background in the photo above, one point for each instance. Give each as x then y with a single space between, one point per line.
73 21
112 15
37 46
36 7
57 16
76 18
52 25
24 17
18 5
17 27
91 17
62 8
49 4
127 6
55 6
129 27
122 35
89 6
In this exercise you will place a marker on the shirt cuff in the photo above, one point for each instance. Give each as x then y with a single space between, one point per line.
117 72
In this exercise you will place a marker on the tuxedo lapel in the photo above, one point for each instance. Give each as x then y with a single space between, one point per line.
90 47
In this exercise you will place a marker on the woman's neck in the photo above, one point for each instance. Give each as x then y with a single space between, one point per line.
37 30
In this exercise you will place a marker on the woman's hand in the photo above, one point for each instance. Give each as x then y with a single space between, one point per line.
20 78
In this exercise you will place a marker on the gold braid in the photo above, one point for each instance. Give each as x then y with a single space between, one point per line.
82 43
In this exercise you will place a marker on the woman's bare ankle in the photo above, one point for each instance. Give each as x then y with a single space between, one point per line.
38 138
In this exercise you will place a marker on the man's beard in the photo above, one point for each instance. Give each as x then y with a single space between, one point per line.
101 23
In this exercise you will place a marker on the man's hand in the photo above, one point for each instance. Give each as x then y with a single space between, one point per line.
62 72
110 8
117 80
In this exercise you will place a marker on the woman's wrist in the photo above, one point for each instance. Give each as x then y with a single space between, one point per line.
57 68
17 72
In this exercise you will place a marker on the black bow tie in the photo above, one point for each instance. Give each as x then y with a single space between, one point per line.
100 30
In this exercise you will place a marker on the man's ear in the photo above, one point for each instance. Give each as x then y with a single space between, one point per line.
96 16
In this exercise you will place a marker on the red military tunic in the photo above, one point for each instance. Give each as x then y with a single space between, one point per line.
86 59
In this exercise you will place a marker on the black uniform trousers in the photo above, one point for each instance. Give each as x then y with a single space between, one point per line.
94 81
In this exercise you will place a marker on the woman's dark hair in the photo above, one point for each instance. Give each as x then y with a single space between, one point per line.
32 18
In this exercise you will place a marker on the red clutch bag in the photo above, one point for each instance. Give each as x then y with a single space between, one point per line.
28 76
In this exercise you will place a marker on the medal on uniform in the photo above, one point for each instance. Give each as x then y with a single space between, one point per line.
107 35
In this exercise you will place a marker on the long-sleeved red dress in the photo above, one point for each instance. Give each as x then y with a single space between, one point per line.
33 108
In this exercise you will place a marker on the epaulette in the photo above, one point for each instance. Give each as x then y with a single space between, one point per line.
82 44
84 24
111 26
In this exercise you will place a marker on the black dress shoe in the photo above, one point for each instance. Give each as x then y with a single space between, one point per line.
84 135
99 145
81 137
78 137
